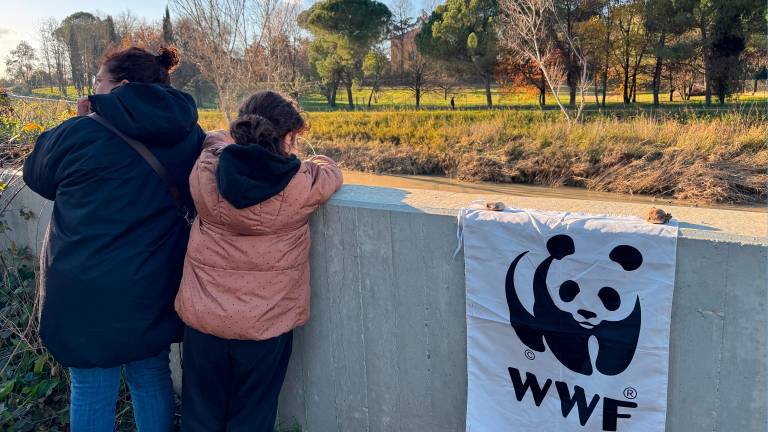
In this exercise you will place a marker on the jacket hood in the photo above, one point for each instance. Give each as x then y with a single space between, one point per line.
248 174
154 114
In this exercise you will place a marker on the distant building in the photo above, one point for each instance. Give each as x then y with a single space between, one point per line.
404 51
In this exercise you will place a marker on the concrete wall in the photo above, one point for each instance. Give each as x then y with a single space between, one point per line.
385 349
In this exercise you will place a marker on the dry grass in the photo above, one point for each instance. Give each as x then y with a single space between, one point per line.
705 160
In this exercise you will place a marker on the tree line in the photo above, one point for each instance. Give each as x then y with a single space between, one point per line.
582 49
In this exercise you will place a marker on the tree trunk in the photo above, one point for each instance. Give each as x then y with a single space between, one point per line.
721 89
671 88
351 101
634 86
597 95
418 97
657 81
572 96
626 87
626 80
571 80
605 83
707 67
488 98
658 68
543 93
370 96
754 90
707 83
635 69
332 102
224 106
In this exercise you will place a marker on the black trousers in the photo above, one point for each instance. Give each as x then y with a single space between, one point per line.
232 385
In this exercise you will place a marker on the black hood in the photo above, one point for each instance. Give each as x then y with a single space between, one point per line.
154 114
248 174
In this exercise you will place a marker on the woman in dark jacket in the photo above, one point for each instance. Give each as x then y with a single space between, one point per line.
116 242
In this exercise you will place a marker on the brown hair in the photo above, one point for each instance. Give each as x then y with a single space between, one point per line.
139 65
265 118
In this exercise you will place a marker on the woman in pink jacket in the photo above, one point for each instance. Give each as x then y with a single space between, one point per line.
246 273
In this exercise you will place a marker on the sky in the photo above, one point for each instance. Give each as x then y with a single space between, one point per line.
19 18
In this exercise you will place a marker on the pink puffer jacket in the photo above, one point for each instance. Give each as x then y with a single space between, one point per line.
246 272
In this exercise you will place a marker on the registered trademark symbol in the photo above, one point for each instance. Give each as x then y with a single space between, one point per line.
529 354
630 393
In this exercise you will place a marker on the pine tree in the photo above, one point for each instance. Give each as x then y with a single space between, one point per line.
112 36
167 28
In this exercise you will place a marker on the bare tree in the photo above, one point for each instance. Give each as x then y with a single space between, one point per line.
20 64
446 82
525 27
221 42
429 6
632 43
238 43
278 42
45 36
60 60
126 23
419 75
402 22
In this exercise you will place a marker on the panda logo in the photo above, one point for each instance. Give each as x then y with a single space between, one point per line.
567 333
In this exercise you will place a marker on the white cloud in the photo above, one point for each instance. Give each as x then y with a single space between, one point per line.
6 32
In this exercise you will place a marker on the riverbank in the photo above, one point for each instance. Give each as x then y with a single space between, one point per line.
705 160
454 186
700 157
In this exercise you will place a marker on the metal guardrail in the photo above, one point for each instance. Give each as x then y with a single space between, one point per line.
33 98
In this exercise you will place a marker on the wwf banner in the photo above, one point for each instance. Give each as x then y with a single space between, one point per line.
568 321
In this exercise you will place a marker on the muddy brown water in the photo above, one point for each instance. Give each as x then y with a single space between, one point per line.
451 185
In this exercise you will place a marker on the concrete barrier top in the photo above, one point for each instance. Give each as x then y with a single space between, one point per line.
748 227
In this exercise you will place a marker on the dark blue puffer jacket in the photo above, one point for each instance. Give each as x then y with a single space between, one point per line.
116 242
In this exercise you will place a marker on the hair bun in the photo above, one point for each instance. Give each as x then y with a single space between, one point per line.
254 129
169 57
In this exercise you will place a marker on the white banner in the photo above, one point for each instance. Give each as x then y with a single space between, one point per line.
567 321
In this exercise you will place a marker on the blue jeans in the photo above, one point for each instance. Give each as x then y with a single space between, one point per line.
95 392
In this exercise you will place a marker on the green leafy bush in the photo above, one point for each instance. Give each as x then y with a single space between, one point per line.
33 388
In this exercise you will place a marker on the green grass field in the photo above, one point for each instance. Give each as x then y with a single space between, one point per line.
54 92
395 99
399 99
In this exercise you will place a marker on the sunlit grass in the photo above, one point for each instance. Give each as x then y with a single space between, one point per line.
400 98
55 92
689 152
474 98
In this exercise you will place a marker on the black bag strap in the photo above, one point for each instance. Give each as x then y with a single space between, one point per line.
156 165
